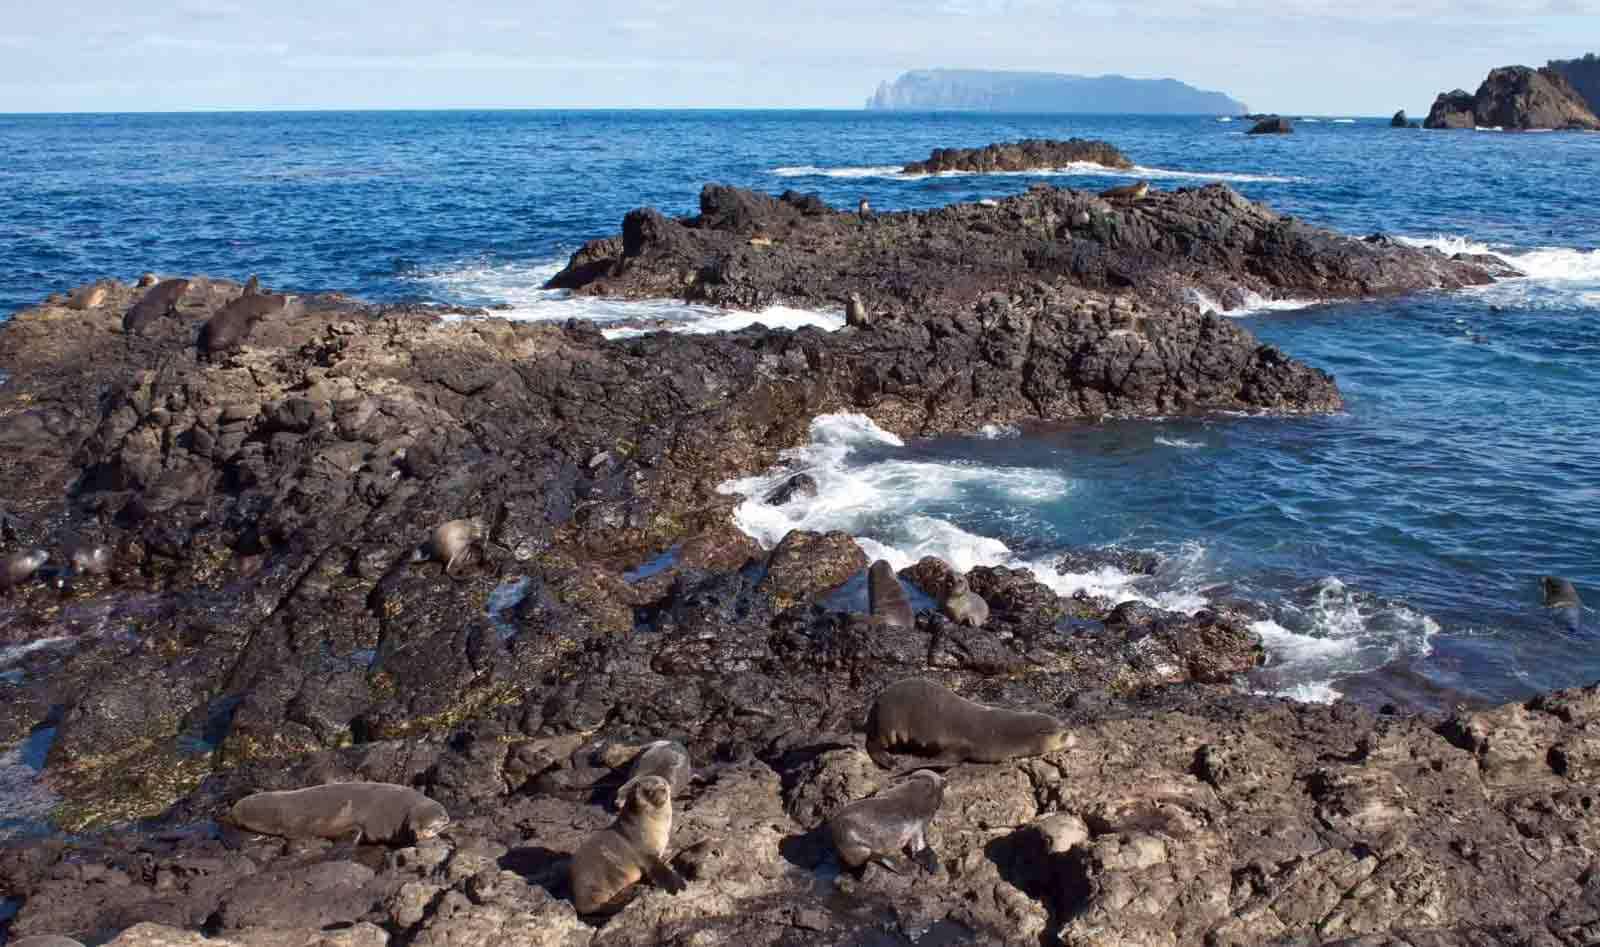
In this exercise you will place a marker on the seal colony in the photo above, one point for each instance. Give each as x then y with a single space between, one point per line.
263 625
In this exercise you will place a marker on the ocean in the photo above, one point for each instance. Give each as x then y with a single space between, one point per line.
1398 545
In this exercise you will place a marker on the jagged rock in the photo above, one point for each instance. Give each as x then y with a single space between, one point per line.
1029 155
1273 125
805 565
1452 110
1515 97
1399 120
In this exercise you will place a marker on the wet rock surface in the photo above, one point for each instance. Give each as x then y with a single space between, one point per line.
266 624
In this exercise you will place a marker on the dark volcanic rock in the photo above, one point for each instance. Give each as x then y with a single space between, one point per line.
1515 97
1452 110
1032 154
1273 125
1399 120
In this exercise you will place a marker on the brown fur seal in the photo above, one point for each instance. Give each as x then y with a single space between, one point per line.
158 303
375 812
613 860
886 597
449 543
46 940
892 823
92 296
252 286
667 759
864 209
926 718
964 606
1128 192
229 328
20 566
855 312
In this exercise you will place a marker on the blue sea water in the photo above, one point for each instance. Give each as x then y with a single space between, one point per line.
1399 543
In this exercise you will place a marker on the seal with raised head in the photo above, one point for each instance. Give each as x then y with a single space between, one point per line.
864 209
231 326
886 827
20 566
610 862
1127 193
855 312
158 303
886 597
1562 599
449 543
926 718
964 606
373 812
667 759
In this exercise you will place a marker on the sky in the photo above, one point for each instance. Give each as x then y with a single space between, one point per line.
1328 57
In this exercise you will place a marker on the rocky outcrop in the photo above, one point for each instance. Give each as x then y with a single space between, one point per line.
1584 76
1273 125
1515 98
1033 154
1452 110
1399 120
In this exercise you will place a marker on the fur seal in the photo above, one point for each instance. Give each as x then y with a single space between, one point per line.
1563 600
964 606
147 280
886 597
1127 192
864 209
890 823
613 860
855 312
92 296
20 566
86 558
667 759
46 940
449 543
158 303
925 717
252 286
231 326
375 812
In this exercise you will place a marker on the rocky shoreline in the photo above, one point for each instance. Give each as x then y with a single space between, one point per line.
266 625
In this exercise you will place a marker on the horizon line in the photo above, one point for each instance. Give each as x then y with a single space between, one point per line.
328 110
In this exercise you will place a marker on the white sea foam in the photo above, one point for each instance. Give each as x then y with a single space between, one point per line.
11 655
995 432
1344 121
1309 121
1340 630
515 291
1252 303
1225 119
1310 692
1178 442
1074 169
1552 264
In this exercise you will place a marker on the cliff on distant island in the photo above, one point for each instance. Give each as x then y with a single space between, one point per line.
1584 75
989 91
1029 155
1515 97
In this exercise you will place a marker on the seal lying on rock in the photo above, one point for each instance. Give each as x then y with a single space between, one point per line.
613 860
886 597
158 303
19 567
1562 598
890 823
374 812
926 718
964 606
1128 193
449 543
229 328
92 296
667 759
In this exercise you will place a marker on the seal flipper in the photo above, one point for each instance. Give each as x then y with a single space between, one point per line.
662 875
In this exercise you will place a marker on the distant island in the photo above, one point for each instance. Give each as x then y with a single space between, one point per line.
981 90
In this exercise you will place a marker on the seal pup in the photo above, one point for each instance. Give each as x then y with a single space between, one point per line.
613 860
374 812
667 759
891 824
231 326
886 597
855 312
1562 599
158 303
964 606
1128 193
449 543
20 566
926 718
46 940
